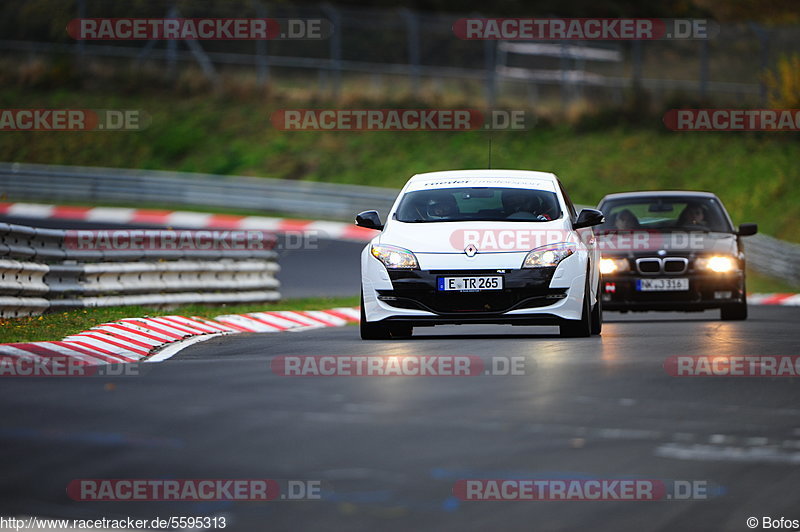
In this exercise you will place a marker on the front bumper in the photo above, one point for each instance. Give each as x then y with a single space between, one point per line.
522 289
527 298
706 291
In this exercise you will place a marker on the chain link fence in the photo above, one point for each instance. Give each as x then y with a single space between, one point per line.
404 51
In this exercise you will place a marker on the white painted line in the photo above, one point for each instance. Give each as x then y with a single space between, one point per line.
176 347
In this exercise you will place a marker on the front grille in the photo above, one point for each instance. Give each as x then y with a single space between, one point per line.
460 302
649 265
675 265
416 289
671 265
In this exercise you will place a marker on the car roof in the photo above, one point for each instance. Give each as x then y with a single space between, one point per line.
517 174
659 193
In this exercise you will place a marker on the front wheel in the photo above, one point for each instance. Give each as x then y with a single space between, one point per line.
734 312
583 327
401 330
597 317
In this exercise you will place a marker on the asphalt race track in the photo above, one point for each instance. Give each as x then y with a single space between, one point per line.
388 450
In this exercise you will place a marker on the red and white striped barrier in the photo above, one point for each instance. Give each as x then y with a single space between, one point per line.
789 300
156 339
186 219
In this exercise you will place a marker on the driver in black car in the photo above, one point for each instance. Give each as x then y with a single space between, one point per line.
692 215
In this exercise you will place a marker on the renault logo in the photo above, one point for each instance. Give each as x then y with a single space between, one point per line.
470 250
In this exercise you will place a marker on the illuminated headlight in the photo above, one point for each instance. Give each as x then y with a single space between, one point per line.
549 255
716 264
614 265
395 258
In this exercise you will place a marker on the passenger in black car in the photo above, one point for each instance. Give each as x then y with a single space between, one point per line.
692 215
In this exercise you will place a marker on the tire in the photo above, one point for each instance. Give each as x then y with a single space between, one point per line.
734 312
581 328
597 317
401 330
372 331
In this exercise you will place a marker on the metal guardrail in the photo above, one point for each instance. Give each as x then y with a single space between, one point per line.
40 272
774 257
96 186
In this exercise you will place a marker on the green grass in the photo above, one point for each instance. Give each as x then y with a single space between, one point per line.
58 325
756 175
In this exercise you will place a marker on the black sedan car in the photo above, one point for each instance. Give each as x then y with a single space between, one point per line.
671 250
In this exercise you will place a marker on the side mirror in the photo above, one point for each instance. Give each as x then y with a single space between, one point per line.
370 220
748 229
588 218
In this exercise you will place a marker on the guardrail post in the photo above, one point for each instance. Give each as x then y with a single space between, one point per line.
80 48
262 51
489 55
763 41
636 67
412 25
335 47
703 69
172 46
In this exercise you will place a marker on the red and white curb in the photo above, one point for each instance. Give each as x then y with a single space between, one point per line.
186 219
789 300
157 339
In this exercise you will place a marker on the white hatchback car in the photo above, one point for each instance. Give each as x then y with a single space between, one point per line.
481 246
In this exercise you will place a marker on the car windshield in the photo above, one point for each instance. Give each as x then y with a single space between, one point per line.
478 204
674 213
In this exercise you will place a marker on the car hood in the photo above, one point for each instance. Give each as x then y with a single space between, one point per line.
488 237
650 243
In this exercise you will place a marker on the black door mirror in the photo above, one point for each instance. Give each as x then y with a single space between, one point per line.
589 218
748 229
370 220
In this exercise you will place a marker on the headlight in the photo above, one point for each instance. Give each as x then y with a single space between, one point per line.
614 265
395 258
549 255
716 264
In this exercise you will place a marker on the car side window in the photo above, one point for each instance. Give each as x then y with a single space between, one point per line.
572 213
